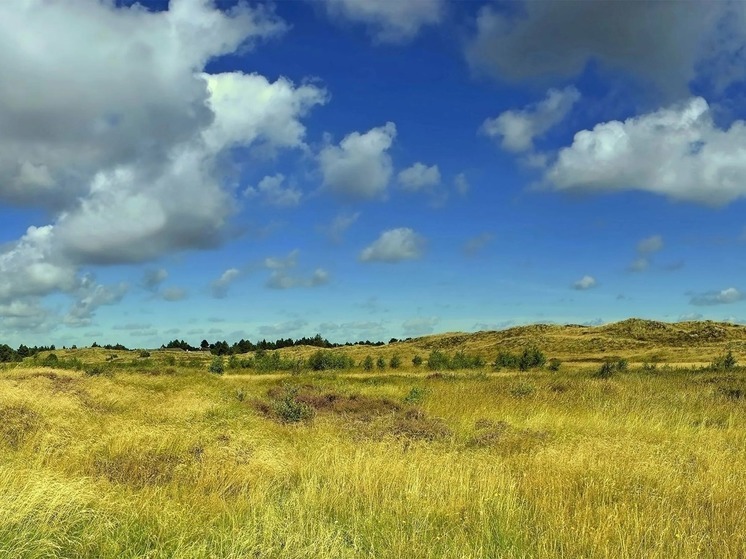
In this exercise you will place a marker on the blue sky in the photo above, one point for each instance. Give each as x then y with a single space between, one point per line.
366 169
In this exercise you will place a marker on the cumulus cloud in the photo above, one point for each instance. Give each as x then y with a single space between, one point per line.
89 297
586 282
419 177
394 245
677 152
723 297
273 193
283 276
517 130
220 286
389 21
655 41
360 166
127 150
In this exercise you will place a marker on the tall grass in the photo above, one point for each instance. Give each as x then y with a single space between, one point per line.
527 465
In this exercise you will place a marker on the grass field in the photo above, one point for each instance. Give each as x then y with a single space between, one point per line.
160 458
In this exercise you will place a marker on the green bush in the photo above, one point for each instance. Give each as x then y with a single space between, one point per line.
724 362
289 410
531 358
143 353
381 363
416 360
216 366
395 361
438 360
324 360
609 368
554 364
506 360
368 363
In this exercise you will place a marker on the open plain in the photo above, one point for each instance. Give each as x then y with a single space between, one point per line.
113 454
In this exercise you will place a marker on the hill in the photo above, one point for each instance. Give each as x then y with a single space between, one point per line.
634 339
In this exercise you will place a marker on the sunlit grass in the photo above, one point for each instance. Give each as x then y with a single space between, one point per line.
176 462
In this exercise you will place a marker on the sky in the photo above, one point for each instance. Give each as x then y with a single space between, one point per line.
366 169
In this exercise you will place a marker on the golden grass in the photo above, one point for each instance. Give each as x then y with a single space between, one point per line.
182 464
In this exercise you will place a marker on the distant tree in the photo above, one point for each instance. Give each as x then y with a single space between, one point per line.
395 361
381 363
368 363
204 345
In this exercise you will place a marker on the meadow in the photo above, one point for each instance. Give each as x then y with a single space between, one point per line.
156 456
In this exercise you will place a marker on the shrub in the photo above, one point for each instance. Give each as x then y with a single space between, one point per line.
381 363
607 370
144 353
51 360
217 365
438 360
554 364
724 362
531 358
416 360
289 410
463 361
368 363
395 361
506 360
323 360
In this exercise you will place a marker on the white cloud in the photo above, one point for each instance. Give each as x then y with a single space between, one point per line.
283 278
419 177
274 193
390 21
677 152
220 286
723 297
360 167
248 108
394 245
655 41
125 144
586 282
91 296
517 130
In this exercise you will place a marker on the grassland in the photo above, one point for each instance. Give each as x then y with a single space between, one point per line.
156 457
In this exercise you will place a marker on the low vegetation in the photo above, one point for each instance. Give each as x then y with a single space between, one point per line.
318 452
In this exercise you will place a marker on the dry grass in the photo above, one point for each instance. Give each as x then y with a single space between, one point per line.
167 460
